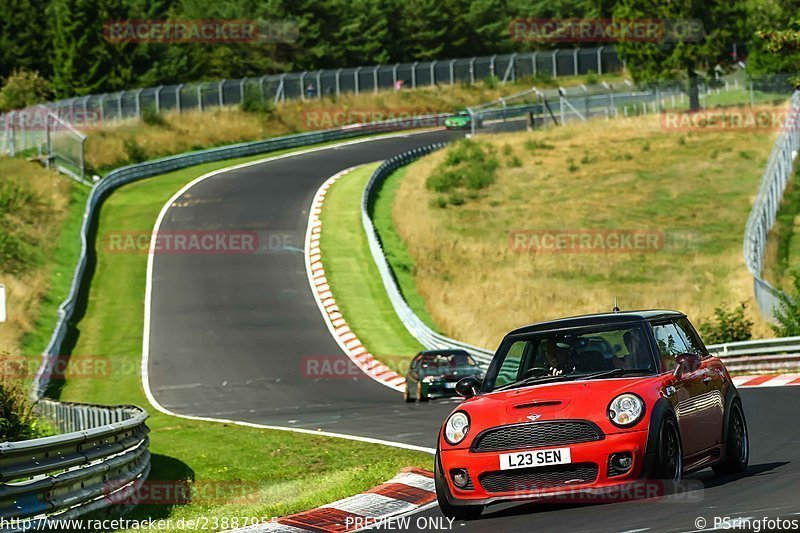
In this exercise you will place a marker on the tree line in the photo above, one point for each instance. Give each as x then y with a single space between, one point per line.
66 41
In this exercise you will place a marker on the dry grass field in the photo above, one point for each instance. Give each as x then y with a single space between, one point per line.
114 144
542 241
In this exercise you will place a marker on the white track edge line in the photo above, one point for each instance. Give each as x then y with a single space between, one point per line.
149 291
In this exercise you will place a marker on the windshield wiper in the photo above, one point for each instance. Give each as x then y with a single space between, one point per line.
538 380
615 372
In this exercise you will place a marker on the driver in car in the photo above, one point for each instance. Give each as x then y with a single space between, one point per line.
559 357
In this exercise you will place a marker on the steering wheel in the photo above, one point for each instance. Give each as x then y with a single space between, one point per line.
535 371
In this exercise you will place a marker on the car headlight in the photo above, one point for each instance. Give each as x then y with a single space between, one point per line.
625 410
456 427
428 379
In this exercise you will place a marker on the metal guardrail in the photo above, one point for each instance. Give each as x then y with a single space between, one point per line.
426 336
147 169
759 355
765 208
102 456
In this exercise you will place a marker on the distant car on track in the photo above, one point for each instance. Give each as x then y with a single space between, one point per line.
459 121
434 373
586 405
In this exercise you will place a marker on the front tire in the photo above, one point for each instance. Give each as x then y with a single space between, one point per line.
669 453
737 444
458 512
406 396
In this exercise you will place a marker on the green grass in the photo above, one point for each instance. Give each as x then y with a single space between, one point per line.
64 259
291 471
354 279
784 240
395 249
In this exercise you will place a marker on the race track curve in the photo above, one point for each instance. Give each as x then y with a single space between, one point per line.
228 333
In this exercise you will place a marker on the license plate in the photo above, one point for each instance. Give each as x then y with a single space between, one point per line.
553 456
449 385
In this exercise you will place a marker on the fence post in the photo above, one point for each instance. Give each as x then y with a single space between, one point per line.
158 98
119 105
452 71
241 89
575 61
375 78
394 75
533 63
303 85
472 70
47 138
200 97
11 134
138 100
83 158
356 81
102 108
555 64
338 82
220 88
491 65
414 74
433 73
178 90
600 60
319 84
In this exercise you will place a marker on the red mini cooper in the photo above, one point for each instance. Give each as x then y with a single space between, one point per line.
588 405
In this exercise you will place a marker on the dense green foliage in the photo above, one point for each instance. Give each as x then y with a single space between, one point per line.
470 165
787 315
727 326
64 40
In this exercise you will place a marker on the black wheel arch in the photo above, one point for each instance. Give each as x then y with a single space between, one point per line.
662 409
731 397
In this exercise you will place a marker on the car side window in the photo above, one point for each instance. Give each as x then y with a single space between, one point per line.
509 370
670 343
690 338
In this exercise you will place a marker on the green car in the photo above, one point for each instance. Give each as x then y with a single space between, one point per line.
461 120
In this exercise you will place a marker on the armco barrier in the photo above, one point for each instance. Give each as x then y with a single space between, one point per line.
132 173
100 459
424 334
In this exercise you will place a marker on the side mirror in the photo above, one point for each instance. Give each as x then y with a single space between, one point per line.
468 387
686 363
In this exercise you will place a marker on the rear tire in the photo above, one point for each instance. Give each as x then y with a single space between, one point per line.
420 396
406 396
669 453
458 512
737 444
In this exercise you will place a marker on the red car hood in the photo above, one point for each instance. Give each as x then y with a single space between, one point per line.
581 400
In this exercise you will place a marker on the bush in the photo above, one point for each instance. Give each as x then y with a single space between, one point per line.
254 102
532 145
787 315
134 151
17 421
23 88
469 164
728 326
153 118
514 162
491 81
592 78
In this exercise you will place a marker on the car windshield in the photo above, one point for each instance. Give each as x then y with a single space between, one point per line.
443 363
576 353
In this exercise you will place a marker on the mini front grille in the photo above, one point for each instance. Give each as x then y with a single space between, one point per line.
535 435
531 479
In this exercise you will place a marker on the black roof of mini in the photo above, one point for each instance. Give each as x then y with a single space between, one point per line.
599 319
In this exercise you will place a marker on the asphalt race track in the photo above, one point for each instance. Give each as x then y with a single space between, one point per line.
229 334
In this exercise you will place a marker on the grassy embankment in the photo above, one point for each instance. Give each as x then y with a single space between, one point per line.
693 187
292 471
